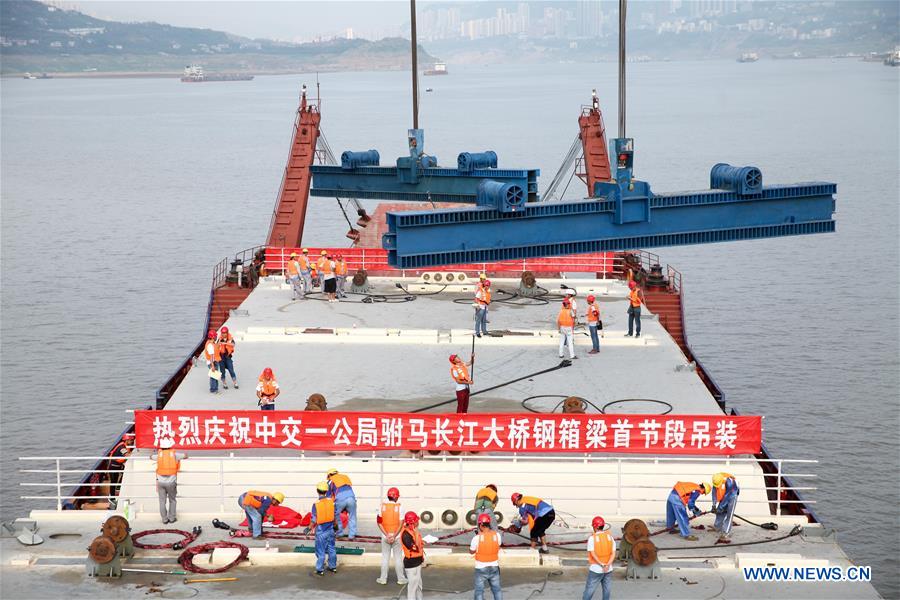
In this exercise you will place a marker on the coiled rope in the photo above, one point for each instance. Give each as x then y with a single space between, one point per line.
186 559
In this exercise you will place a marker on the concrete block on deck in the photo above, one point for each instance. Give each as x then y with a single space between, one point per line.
222 556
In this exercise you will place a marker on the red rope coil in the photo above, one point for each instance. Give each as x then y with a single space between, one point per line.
186 559
188 538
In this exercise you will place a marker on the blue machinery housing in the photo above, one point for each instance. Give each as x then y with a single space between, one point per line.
507 221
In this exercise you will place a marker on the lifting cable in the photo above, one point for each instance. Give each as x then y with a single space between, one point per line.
186 559
189 537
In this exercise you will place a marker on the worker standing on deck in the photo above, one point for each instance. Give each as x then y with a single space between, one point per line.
324 523
168 462
482 302
601 551
226 352
635 298
305 271
538 514
486 503
267 390
565 320
413 555
460 373
341 490
340 273
212 355
390 523
683 498
724 501
292 272
255 505
486 548
593 322
329 280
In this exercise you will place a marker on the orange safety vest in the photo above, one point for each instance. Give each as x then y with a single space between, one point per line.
417 539
603 548
565 318
340 480
460 373
635 297
292 268
593 313
685 489
327 267
720 491
483 296
166 464
488 493
324 512
320 264
390 516
253 498
226 344
488 549
268 387
340 268
211 351
303 261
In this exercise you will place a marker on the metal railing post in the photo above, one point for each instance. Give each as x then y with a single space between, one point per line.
778 492
460 463
58 488
221 486
619 486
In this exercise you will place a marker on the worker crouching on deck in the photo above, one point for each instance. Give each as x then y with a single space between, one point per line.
324 522
413 555
538 514
390 523
486 503
341 491
255 505
683 498
486 548
601 551
724 501
212 354
460 373
226 354
267 390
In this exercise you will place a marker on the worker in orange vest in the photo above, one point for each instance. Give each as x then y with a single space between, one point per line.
292 274
635 298
724 501
212 354
482 302
486 548
267 390
683 498
413 555
341 489
329 280
601 551
226 352
168 463
324 521
460 373
593 321
255 504
538 514
390 523
486 503
565 320
340 273
305 271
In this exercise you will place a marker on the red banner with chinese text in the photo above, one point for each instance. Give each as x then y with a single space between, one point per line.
300 430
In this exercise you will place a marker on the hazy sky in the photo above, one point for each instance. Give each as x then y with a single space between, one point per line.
284 20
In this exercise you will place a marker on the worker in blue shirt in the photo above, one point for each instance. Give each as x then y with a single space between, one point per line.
538 514
683 498
255 505
724 500
340 489
324 523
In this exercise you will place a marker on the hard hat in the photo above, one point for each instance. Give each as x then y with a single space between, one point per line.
632 284
492 486
340 257
323 253
566 302
166 443
706 488
453 358
484 519
598 523
224 330
410 518
393 493
267 373
571 292
516 497
293 254
718 480
278 497
331 472
482 276
591 298
212 334
486 282
305 251
322 487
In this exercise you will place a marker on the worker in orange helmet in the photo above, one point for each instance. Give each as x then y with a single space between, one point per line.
226 352
594 324
565 320
635 298
267 390
601 551
340 273
460 373
391 523
212 354
486 548
413 555
168 463
482 302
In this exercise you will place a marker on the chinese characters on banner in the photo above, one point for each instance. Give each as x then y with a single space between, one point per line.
655 434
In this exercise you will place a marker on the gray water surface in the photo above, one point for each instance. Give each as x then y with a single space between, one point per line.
118 197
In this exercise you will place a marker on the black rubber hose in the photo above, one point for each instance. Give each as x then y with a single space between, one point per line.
767 526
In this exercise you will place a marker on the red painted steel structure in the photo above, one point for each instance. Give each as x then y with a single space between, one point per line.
593 141
286 228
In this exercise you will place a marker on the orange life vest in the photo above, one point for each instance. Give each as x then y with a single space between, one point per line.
488 493
720 491
340 480
226 344
565 318
685 489
166 464
390 516
292 267
593 313
268 386
635 297
340 268
460 373
488 549
417 540
483 296
253 498
603 548
324 512
211 351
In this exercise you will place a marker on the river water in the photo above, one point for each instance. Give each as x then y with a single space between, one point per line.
118 197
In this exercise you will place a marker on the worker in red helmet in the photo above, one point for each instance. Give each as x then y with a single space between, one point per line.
601 551
635 298
481 304
226 354
594 325
486 548
390 523
212 354
413 555
340 273
538 514
486 503
267 390
459 370
565 320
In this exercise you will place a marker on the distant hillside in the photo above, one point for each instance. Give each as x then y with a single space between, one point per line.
38 37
